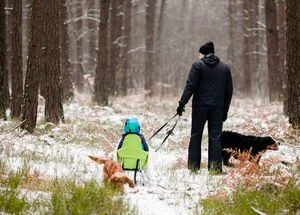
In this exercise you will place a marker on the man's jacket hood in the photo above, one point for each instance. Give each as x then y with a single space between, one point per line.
210 59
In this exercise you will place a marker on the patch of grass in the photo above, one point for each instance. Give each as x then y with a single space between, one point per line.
270 199
2 168
10 199
9 125
90 198
59 196
35 182
29 155
44 128
35 156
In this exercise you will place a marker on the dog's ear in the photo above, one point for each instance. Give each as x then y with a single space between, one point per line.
117 183
129 181
112 179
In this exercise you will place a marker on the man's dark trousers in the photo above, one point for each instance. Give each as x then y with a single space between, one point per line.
214 116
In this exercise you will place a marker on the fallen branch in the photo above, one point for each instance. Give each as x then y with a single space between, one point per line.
257 211
19 124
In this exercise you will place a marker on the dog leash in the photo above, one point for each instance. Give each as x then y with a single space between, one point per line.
169 132
162 127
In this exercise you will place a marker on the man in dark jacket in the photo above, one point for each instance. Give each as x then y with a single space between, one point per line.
210 83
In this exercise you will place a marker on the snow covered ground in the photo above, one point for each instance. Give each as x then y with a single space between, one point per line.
62 151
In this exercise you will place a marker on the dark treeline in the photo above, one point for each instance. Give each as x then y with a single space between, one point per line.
57 49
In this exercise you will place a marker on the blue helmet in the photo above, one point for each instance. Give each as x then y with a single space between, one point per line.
132 126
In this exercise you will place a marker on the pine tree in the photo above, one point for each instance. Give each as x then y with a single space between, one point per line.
149 56
274 74
35 46
101 81
17 69
65 65
2 62
53 103
293 63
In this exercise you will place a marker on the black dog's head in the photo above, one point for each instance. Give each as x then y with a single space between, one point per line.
271 144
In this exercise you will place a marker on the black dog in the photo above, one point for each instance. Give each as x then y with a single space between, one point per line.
245 143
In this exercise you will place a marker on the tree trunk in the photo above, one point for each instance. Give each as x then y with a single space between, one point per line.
101 82
79 70
43 64
247 65
17 73
2 62
30 99
71 11
231 14
235 43
115 38
293 63
261 79
26 14
149 56
274 74
180 48
53 104
8 49
254 43
125 48
90 42
65 66
158 47
281 8
119 63
250 58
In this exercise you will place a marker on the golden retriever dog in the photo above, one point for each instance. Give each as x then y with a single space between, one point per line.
113 172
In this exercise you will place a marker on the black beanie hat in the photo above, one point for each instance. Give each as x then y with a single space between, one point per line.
207 48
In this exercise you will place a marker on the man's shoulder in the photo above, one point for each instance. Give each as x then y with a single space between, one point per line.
225 65
198 63
221 62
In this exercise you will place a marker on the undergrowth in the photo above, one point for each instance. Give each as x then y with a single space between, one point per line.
90 198
11 200
57 196
269 199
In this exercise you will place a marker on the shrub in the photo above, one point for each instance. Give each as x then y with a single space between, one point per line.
11 200
90 198
269 199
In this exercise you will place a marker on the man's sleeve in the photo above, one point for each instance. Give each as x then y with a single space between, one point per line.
191 84
228 92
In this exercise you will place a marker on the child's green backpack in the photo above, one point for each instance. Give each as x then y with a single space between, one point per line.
131 155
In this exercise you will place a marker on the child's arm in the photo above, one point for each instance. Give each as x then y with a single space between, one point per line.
144 143
121 141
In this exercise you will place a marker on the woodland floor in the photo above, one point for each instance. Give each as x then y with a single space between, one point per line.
62 151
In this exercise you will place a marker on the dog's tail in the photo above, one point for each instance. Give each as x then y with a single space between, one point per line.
98 159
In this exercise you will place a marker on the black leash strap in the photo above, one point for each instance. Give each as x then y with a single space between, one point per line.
168 133
162 127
